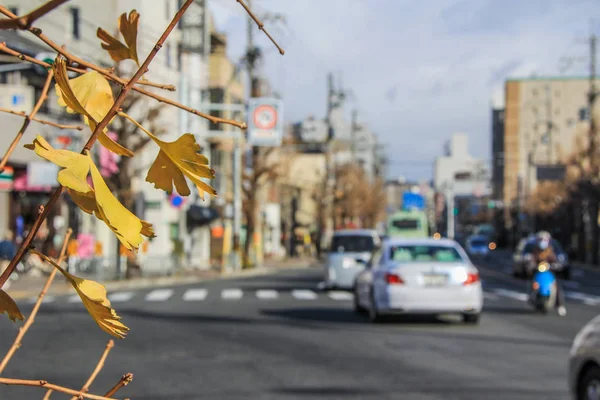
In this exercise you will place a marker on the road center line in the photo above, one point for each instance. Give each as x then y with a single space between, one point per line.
195 294
159 295
232 294
303 294
267 294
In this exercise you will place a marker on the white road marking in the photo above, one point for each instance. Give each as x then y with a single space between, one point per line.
159 295
232 294
490 296
267 294
339 295
322 285
195 294
304 294
584 298
120 296
74 299
512 294
571 284
47 299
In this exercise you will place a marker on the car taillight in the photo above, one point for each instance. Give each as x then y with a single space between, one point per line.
393 279
471 278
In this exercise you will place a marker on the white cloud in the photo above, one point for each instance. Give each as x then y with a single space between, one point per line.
444 60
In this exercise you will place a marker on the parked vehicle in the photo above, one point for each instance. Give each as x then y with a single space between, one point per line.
408 224
419 276
543 288
348 254
524 264
584 362
478 245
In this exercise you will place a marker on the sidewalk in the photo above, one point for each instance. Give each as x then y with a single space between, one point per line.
30 286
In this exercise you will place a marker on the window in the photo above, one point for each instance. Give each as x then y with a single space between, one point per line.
406 224
14 10
408 254
352 243
75 22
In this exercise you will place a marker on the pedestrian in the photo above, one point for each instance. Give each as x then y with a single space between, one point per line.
8 250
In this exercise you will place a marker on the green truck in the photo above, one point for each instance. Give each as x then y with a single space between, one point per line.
410 224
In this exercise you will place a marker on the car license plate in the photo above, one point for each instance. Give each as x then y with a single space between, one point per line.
435 280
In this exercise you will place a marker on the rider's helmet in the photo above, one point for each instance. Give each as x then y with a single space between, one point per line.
543 240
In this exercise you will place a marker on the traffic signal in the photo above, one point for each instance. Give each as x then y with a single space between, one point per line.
455 210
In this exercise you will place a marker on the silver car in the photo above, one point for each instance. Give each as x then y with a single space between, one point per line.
584 362
419 276
349 252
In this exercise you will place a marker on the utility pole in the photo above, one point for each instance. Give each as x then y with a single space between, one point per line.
450 211
549 121
593 210
353 129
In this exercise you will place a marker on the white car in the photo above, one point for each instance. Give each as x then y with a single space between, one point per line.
419 276
584 362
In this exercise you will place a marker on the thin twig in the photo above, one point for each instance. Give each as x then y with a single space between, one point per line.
25 21
27 120
120 81
48 394
42 121
23 330
99 128
97 370
261 26
125 380
170 88
56 388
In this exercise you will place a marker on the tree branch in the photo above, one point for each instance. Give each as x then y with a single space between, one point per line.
97 370
27 121
261 26
23 330
125 380
42 121
26 21
99 128
56 388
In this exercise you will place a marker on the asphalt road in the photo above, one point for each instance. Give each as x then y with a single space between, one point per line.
279 337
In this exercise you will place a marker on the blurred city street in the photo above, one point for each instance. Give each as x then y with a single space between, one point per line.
277 336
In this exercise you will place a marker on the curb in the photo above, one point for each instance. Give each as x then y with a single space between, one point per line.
142 283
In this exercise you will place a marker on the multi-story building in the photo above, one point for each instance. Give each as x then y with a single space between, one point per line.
74 25
541 118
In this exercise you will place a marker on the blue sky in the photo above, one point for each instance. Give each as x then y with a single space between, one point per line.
418 70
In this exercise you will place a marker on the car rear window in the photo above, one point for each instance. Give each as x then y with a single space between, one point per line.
406 224
352 243
424 254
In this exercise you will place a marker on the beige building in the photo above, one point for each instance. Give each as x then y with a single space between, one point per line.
542 118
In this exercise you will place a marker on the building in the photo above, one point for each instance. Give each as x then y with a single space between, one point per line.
180 62
497 150
541 118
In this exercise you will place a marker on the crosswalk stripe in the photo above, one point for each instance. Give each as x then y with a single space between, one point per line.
339 295
74 299
159 295
267 294
512 294
120 296
232 294
195 294
584 298
490 296
304 294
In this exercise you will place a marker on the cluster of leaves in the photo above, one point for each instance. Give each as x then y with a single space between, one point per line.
90 95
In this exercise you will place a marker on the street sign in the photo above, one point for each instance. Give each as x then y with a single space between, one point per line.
265 122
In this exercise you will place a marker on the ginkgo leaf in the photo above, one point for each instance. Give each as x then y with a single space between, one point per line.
90 95
8 305
128 25
93 296
123 222
75 166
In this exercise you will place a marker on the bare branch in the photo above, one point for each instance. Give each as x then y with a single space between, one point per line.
23 330
56 388
261 26
26 21
97 370
125 380
99 128
42 121
27 121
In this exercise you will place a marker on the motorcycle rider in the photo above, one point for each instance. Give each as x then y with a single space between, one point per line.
543 251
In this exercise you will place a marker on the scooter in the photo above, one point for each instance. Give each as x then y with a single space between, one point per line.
543 288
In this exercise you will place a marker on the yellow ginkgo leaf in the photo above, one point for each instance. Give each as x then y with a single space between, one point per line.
8 305
75 166
123 222
129 29
89 95
93 296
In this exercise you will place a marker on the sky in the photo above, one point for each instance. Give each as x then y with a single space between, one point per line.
416 71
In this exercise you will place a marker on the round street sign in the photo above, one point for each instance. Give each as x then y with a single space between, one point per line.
265 117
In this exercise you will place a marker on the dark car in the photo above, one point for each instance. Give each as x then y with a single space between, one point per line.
523 265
